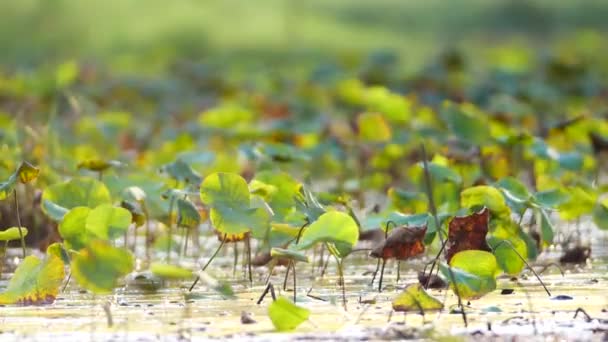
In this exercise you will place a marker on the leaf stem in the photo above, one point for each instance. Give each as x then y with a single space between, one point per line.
208 263
19 222
429 193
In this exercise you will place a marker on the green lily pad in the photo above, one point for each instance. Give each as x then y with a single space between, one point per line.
474 273
503 240
228 196
333 227
98 266
373 127
58 199
415 298
108 222
73 228
12 233
285 315
35 281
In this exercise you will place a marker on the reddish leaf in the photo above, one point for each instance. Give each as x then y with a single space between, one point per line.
402 243
468 232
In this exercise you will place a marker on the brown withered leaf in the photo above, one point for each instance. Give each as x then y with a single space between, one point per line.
468 232
402 243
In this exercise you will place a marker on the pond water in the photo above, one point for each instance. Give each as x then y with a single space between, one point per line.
169 315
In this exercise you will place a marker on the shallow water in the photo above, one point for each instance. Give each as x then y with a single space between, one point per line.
167 315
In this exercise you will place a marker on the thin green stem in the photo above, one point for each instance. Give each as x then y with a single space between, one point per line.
19 222
208 263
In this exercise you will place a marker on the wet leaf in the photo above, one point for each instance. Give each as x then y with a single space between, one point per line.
334 227
59 251
108 222
402 243
98 266
474 273
581 202
35 281
550 199
285 315
468 233
59 198
12 233
514 190
167 271
415 298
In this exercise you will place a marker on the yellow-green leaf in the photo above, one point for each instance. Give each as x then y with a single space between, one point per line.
12 234
35 281
415 298
285 315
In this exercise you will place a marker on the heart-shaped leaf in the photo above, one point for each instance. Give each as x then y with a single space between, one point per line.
468 233
333 227
415 298
98 266
285 315
58 199
402 243
35 281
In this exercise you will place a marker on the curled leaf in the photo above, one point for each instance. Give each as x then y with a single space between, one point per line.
402 243
12 233
468 233
415 298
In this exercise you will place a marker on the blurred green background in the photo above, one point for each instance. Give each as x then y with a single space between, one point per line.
142 34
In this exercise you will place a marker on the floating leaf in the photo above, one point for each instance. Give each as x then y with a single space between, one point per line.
167 271
468 233
288 254
285 315
402 243
415 298
334 227
474 273
35 281
58 199
108 222
12 233
98 266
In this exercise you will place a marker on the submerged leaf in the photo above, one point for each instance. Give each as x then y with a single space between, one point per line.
285 315
415 298
12 234
402 243
468 233
35 281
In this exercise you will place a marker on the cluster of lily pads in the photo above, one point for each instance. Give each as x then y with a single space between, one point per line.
295 167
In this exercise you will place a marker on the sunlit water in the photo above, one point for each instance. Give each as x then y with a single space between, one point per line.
168 315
